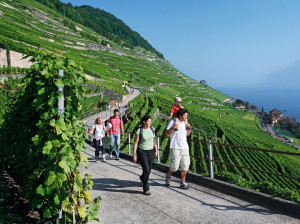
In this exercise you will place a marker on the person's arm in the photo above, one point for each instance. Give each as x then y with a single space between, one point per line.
188 128
91 130
135 147
105 129
122 129
155 146
170 130
172 112
107 123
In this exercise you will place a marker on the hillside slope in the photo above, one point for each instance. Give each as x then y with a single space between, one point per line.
103 23
27 23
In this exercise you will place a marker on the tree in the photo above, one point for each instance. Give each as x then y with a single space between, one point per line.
247 105
253 107
239 101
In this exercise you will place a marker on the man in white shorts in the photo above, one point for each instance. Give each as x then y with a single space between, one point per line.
179 147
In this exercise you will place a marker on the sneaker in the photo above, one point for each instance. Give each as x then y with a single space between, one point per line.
97 161
148 192
117 158
110 156
168 180
104 160
184 186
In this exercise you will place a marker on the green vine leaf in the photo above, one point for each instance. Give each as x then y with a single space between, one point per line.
56 199
51 101
52 122
47 148
82 212
64 166
61 124
41 91
51 178
59 83
40 190
64 137
56 143
35 138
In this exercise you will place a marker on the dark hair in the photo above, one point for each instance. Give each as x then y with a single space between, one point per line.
181 112
116 110
145 118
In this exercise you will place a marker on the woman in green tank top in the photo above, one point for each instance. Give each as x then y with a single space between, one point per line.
145 150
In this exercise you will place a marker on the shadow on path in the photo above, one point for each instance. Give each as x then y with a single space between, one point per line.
116 185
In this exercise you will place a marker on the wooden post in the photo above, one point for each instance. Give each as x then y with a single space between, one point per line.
8 58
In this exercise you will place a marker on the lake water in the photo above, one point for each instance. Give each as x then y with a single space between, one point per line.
288 102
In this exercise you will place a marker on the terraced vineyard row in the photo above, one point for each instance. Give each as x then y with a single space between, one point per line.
92 105
12 70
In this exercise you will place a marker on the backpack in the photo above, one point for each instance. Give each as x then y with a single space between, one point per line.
141 132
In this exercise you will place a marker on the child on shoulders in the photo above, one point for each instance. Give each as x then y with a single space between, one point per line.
175 107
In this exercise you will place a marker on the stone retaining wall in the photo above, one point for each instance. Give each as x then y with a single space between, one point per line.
15 58
106 92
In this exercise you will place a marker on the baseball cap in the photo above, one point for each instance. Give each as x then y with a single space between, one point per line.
178 99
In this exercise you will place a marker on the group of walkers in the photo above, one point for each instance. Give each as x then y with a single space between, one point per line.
145 148
117 105
113 130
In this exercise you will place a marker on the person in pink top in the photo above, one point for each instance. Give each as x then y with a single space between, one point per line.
114 133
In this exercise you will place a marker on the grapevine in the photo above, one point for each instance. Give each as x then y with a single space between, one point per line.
44 152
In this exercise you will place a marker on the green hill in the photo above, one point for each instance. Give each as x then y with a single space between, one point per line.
103 23
27 23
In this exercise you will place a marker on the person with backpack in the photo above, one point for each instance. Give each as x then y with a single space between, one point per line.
98 131
114 133
145 150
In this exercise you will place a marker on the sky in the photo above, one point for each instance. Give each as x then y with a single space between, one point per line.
228 43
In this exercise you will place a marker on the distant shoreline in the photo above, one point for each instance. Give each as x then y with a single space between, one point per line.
287 101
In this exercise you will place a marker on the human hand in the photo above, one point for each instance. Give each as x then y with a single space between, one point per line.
134 159
123 137
155 154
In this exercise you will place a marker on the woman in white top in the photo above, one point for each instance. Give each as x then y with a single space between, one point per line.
98 130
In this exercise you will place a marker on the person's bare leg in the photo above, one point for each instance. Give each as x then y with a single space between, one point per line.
170 173
183 175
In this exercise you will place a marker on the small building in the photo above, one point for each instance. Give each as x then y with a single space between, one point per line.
240 107
289 120
203 82
276 113
274 120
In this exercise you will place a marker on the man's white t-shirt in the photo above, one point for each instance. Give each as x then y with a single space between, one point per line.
178 138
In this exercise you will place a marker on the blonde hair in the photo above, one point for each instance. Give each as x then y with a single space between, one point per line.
98 118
